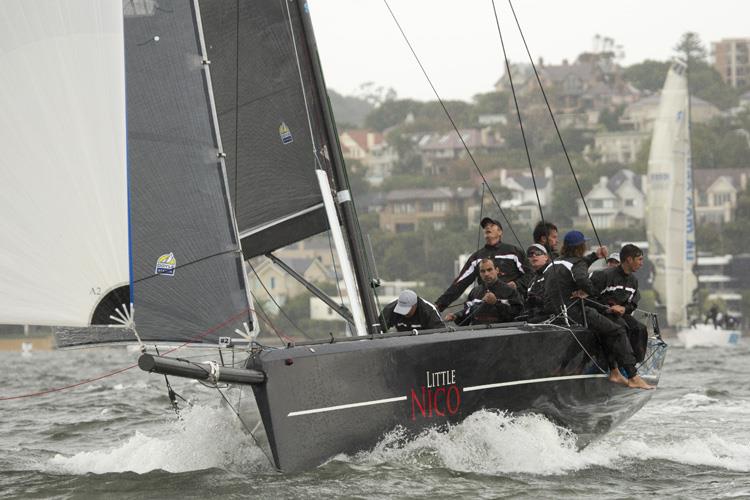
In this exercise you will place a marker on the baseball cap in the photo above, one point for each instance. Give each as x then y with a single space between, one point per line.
574 238
489 220
406 301
536 248
614 256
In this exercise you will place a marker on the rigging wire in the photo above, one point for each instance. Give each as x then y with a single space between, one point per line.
242 421
278 306
481 216
453 123
335 272
554 122
263 315
518 111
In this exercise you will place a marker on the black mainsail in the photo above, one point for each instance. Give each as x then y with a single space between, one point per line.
270 120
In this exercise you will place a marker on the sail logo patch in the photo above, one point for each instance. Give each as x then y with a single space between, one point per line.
166 265
285 134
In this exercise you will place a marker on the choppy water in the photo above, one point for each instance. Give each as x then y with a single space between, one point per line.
118 438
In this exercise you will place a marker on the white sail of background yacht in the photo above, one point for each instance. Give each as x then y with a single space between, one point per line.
670 220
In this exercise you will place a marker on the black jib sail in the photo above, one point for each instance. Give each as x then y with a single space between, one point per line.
270 119
188 276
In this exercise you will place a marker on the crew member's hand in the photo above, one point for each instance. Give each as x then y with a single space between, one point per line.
512 284
579 294
449 317
602 252
489 298
619 310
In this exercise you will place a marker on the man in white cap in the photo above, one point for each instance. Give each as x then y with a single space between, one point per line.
613 260
410 312
534 300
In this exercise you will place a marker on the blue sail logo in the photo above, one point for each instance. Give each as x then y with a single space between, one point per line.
285 133
166 265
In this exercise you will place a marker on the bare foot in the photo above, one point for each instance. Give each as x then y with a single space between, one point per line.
616 377
638 383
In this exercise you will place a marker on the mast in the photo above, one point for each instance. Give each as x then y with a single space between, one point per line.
344 198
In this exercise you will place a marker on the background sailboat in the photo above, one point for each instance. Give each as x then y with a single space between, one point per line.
670 222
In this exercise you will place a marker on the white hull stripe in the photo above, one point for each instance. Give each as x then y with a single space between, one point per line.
465 389
344 407
533 381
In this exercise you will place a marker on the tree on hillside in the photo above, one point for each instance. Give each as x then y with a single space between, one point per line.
392 113
648 75
491 103
350 112
690 48
705 82
719 145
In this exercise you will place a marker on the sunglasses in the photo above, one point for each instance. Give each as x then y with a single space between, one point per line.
534 254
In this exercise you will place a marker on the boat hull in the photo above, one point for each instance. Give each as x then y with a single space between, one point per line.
322 400
709 336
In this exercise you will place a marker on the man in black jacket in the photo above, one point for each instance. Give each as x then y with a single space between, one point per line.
534 300
567 281
491 302
514 267
410 312
619 295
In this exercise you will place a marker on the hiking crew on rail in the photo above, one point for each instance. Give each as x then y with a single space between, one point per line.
566 282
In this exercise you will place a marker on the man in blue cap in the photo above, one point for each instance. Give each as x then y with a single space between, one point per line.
567 281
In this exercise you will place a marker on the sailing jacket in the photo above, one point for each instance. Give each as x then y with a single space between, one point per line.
565 276
426 317
534 304
512 262
617 288
476 311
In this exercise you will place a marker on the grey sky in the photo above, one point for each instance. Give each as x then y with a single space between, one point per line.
458 43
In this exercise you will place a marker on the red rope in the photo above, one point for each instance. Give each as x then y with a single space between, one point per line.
58 389
110 374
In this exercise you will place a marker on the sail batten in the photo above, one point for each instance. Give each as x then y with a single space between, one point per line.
670 218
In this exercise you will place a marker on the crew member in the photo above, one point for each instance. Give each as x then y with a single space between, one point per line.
410 312
514 267
619 294
545 233
491 302
566 282
613 260
534 300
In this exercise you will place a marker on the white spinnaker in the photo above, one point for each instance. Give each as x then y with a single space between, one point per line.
670 219
63 183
